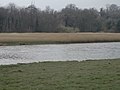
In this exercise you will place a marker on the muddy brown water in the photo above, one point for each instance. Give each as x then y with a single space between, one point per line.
62 52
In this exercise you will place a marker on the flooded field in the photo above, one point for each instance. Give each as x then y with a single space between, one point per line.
59 52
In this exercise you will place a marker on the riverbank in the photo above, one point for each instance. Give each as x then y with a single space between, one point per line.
85 75
56 38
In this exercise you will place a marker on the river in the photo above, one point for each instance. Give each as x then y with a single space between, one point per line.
58 52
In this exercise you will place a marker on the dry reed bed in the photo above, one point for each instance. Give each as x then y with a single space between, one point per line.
58 37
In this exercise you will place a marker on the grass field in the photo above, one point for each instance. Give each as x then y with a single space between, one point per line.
85 75
50 38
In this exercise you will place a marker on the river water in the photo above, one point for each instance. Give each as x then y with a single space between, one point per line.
62 52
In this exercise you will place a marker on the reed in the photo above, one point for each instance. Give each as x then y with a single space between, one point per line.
49 38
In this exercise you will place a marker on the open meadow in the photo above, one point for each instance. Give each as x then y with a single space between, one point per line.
56 38
85 75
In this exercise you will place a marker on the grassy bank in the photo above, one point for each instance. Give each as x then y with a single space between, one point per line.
86 75
56 38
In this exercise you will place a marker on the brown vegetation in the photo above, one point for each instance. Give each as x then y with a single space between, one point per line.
45 38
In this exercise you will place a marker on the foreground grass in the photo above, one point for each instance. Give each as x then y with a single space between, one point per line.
86 75
50 38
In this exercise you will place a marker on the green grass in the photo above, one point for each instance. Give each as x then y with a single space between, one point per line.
85 75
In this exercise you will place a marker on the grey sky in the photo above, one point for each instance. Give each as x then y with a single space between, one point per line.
59 4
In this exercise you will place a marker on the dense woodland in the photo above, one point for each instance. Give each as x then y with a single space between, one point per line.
69 19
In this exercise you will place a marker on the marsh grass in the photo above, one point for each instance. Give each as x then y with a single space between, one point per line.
56 38
85 75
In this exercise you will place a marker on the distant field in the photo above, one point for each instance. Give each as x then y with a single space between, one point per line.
46 38
85 75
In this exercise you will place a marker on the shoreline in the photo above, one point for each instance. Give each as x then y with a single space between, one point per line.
50 43
89 60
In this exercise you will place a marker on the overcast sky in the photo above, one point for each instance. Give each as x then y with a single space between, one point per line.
59 4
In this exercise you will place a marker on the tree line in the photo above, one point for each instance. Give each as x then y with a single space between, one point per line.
69 19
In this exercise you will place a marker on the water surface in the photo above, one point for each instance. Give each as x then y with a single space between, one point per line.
62 52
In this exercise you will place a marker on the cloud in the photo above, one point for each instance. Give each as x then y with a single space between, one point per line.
59 4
